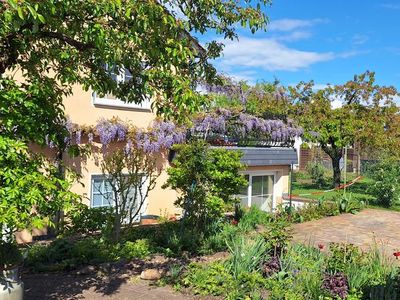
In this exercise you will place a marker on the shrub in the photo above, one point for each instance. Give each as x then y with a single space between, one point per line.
386 186
313 211
63 254
341 255
253 217
137 249
10 255
277 235
206 178
316 172
213 279
83 219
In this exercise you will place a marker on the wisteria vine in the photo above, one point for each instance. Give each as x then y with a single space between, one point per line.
220 127
159 136
226 127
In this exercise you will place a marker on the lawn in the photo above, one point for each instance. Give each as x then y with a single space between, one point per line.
304 188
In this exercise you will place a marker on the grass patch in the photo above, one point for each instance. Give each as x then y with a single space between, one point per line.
303 185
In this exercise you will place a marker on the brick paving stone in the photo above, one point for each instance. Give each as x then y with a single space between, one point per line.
362 229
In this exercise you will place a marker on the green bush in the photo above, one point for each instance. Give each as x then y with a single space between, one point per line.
253 217
10 255
206 179
386 185
317 173
341 255
83 219
64 254
277 235
215 279
313 211
137 249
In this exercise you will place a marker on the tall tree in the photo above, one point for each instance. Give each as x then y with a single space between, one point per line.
365 116
72 42
56 44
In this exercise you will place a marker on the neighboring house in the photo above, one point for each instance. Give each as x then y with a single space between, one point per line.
267 168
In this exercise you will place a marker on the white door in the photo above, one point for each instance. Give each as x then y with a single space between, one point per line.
262 187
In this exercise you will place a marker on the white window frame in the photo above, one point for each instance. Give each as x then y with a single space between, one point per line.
143 209
117 103
262 173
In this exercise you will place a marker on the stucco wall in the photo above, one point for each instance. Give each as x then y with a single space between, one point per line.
282 179
81 110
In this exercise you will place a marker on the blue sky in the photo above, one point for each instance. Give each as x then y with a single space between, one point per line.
327 41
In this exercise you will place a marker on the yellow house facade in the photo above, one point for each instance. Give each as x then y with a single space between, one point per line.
267 168
267 171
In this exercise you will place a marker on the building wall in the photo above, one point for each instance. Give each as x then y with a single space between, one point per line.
81 110
282 179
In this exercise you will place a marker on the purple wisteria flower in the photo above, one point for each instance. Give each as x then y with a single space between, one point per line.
90 137
109 131
160 136
78 136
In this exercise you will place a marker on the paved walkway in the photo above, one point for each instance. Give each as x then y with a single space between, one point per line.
68 287
360 229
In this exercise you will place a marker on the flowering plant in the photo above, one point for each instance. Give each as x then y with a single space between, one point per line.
226 127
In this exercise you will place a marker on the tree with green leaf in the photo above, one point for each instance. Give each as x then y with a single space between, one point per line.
363 117
55 44
88 42
206 179
30 191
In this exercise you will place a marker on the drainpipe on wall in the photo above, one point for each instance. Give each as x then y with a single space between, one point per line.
290 188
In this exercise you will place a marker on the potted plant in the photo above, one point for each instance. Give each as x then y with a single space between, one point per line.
11 286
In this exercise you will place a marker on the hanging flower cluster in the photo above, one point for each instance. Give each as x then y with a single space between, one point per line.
242 126
111 130
160 135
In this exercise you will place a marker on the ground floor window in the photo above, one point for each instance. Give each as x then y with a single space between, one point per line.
259 191
102 194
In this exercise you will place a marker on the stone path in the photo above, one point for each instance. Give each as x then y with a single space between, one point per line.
360 229
63 287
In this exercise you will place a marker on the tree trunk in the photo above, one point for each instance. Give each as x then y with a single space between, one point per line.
58 215
336 170
117 228
335 154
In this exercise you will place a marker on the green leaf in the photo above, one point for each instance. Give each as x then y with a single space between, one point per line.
20 13
32 11
41 18
12 3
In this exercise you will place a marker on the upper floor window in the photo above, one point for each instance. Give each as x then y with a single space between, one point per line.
109 100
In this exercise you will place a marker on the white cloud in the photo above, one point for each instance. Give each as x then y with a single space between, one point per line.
294 36
359 39
270 55
394 6
396 99
293 24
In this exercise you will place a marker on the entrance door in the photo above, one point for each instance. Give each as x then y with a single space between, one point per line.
262 191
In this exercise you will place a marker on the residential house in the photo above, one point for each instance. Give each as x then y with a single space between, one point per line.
267 167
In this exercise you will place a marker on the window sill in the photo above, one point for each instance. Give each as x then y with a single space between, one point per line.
118 104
